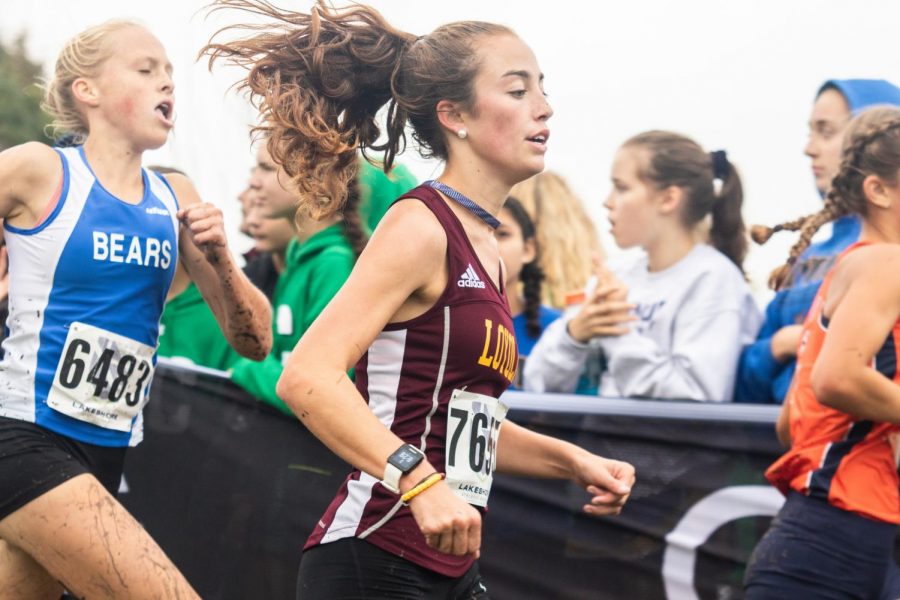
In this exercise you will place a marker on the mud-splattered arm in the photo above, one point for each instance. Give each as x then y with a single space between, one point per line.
242 310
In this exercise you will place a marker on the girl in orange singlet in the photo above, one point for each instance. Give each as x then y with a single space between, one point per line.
835 534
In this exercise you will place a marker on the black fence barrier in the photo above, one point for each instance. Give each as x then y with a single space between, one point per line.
231 489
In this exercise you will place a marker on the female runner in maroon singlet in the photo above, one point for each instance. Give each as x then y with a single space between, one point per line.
423 317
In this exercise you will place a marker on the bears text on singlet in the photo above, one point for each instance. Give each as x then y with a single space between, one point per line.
120 248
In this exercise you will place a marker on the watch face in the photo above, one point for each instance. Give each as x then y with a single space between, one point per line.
405 458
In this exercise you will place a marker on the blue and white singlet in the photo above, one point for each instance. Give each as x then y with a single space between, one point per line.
86 291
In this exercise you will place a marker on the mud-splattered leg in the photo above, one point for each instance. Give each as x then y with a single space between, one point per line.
85 539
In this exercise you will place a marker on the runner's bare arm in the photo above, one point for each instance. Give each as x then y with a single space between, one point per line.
401 260
242 310
783 425
524 452
28 175
859 324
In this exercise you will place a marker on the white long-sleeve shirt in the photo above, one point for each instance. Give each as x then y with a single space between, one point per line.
693 320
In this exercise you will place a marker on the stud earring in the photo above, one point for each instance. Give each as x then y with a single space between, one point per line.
463 134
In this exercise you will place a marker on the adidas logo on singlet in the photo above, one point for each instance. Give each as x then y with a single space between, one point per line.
470 279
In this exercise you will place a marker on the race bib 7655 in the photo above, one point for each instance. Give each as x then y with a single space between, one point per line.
473 428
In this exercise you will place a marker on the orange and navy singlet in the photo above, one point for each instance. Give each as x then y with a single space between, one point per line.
850 463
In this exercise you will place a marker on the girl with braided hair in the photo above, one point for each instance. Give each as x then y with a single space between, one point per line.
566 234
834 536
423 316
517 240
767 364
517 237
670 322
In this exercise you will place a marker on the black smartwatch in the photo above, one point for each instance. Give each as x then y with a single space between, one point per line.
402 461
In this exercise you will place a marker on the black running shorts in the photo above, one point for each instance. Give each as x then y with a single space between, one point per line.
34 460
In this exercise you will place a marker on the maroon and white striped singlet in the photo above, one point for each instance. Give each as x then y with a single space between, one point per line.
407 376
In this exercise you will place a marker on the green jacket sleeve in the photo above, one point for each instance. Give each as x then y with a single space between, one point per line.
328 273
331 270
260 379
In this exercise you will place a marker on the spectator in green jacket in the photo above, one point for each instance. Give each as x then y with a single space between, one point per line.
378 189
316 263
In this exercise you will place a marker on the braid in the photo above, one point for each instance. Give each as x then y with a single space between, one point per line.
833 209
871 147
351 224
762 233
532 277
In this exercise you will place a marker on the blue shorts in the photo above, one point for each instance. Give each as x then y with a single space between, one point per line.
814 550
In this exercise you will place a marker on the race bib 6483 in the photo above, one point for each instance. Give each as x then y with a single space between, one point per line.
102 377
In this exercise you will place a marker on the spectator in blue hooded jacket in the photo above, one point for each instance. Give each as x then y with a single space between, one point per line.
767 366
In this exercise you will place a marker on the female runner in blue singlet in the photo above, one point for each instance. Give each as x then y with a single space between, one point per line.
94 240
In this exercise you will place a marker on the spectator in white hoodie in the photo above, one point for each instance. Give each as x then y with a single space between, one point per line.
670 323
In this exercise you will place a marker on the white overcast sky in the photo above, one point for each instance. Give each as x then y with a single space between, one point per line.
739 75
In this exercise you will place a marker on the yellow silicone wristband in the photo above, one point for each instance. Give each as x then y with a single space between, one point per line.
421 486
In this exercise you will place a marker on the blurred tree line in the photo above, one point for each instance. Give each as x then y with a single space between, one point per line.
21 117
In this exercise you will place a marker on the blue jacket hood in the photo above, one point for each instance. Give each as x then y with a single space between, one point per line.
863 93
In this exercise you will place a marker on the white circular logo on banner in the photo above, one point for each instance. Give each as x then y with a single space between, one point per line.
701 521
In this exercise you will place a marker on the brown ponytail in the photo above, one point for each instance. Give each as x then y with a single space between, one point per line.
728 233
676 160
319 80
